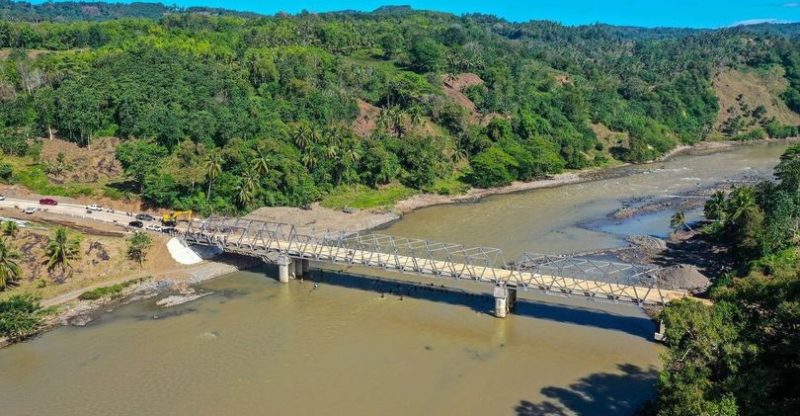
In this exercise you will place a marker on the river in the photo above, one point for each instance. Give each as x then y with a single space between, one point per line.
353 346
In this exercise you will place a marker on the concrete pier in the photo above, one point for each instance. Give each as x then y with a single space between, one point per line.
501 301
298 267
306 264
284 262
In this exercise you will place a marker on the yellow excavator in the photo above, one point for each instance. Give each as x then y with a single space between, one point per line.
171 219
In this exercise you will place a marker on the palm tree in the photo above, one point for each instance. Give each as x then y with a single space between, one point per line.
260 164
415 113
741 199
302 136
309 160
331 151
62 248
10 229
715 208
213 167
678 221
9 268
247 188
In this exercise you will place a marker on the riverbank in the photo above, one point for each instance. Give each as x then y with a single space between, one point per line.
320 218
176 283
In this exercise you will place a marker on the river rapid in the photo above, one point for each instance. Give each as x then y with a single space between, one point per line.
355 346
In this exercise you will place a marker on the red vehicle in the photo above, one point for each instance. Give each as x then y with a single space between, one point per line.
48 201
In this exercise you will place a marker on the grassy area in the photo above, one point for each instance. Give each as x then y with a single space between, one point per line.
106 291
451 185
364 197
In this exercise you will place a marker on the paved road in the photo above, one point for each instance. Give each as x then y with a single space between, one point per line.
70 210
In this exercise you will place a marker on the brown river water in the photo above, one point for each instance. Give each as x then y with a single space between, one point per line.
353 346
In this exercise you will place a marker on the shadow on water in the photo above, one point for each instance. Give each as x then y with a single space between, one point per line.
484 302
596 394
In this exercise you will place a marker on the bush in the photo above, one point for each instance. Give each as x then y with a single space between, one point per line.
492 167
6 171
20 316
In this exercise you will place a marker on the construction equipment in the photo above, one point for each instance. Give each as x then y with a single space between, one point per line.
171 219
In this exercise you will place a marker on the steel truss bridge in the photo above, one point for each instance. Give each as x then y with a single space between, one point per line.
552 274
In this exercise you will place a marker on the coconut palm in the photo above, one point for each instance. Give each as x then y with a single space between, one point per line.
740 200
260 164
213 168
309 160
678 221
10 229
247 188
415 114
9 268
302 136
62 248
715 208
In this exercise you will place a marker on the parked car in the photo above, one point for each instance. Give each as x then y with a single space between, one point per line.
136 224
48 201
2 197
30 210
94 207
145 217
169 230
154 227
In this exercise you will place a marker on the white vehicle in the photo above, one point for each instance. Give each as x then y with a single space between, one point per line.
154 227
2 197
94 207
30 210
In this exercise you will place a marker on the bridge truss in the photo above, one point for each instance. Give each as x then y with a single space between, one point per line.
565 275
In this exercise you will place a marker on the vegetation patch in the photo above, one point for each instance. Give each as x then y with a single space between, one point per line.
364 197
112 291
20 316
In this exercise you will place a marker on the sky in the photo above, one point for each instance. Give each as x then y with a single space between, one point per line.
648 13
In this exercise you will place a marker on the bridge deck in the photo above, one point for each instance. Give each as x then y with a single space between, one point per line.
260 239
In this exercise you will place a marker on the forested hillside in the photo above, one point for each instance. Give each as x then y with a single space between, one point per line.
226 113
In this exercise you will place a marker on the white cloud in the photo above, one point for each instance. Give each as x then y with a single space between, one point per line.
758 22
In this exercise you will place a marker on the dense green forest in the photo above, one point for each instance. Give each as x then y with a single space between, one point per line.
228 112
742 355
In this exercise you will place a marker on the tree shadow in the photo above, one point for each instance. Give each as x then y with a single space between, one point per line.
597 394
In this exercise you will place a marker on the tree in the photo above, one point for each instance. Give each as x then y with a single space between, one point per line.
20 316
492 167
247 188
788 169
213 166
140 159
678 221
714 208
426 55
10 228
62 248
9 266
138 245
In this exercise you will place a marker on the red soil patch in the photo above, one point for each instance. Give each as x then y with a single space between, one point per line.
367 119
453 85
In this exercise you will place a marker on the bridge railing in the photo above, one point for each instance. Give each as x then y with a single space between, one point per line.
551 273
568 273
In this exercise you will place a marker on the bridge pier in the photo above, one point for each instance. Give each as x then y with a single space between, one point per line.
306 266
284 262
501 301
298 267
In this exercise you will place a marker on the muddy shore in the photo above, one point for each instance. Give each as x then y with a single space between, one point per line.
321 219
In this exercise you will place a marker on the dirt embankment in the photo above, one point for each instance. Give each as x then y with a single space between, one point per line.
322 219
454 85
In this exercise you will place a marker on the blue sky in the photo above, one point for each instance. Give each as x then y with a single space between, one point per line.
649 13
